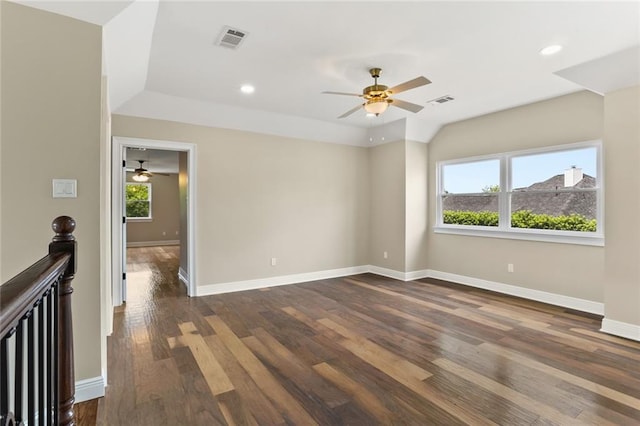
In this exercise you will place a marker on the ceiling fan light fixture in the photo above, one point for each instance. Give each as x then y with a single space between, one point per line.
376 106
141 174
247 89
140 177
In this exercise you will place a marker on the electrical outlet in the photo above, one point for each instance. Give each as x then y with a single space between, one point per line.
385 255
509 267
274 261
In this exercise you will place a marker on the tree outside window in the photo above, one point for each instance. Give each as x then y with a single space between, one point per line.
138 200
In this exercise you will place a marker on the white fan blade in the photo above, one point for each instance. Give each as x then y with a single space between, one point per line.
342 93
408 85
406 105
351 111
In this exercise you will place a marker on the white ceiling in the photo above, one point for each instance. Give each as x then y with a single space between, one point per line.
484 54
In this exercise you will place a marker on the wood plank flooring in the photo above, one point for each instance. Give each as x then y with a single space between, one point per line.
361 350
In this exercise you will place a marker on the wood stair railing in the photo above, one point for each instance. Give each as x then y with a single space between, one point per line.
37 383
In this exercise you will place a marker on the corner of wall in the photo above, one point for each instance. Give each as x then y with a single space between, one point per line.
622 249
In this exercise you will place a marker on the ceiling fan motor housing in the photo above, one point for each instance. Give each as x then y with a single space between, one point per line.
375 91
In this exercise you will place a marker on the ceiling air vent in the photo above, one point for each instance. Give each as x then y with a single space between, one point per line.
441 100
231 37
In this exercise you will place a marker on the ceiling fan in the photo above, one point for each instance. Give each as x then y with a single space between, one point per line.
141 174
378 97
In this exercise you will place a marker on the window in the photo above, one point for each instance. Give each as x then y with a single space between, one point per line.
138 200
472 201
554 194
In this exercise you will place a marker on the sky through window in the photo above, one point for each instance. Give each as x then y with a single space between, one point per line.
526 170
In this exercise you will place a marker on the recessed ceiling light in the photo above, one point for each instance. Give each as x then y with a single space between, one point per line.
247 88
551 50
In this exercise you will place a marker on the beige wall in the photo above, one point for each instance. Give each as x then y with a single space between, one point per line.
165 212
570 270
51 106
398 206
622 204
388 205
259 196
416 206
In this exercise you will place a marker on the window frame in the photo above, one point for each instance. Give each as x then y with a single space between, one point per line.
504 229
149 191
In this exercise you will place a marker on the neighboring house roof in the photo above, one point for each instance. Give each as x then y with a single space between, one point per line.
475 203
535 198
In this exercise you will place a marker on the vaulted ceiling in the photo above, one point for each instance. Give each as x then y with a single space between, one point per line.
162 60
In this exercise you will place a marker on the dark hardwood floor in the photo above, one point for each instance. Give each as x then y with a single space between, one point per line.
361 350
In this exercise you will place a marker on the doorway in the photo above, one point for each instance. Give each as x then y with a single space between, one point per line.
187 172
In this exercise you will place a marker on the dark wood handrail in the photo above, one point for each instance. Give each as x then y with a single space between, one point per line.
18 295
23 298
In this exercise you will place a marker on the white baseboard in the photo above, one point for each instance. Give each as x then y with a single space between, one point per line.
621 329
90 388
416 275
385 272
526 293
86 390
153 243
281 280
402 276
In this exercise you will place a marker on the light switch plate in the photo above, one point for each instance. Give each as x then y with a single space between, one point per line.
65 188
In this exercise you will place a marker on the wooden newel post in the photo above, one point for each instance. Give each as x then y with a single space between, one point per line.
65 242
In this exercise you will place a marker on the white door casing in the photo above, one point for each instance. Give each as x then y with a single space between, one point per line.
118 243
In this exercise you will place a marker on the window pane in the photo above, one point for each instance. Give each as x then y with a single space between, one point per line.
549 190
574 168
469 178
137 208
137 200
136 191
481 179
564 211
474 210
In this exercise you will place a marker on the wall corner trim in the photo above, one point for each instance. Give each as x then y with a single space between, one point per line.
621 329
402 276
90 388
183 276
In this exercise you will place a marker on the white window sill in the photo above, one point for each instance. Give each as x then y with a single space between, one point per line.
139 219
563 237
